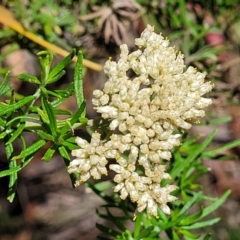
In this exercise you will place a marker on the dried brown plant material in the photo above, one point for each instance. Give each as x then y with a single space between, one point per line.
113 21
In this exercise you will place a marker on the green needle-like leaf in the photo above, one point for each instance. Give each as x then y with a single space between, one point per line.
78 79
202 224
45 136
145 233
3 86
51 116
18 131
29 78
30 150
63 152
75 118
12 186
192 156
57 72
49 153
45 59
15 106
216 204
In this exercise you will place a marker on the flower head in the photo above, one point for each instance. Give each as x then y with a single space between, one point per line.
143 113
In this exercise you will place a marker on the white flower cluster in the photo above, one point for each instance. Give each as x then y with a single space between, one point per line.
144 112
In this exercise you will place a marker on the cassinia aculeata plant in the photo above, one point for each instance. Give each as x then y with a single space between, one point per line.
143 113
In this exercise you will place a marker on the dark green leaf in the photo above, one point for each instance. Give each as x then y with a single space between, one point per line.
30 150
3 86
51 116
175 235
43 116
145 233
28 78
13 176
12 186
216 204
45 136
8 172
212 153
45 59
2 123
67 93
202 224
3 134
137 226
62 112
74 119
49 153
70 146
195 199
186 233
191 219
192 156
13 107
78 80
57 70
57 77
63 152
18 131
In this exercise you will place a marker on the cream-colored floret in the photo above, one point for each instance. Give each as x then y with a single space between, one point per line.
148 95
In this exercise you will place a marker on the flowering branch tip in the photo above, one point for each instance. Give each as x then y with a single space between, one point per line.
143 113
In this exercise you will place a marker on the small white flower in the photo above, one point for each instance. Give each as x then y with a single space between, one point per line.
143 114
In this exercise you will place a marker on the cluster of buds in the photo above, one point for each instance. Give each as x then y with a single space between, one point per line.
146 98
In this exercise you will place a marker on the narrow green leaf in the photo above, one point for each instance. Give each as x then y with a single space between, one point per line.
70 146
63 152
49 153
30 149
59 67
191 219
2 123
43 116
18 131
13 107
3 86
145 233
12 185
45 136
67 93
216 204
29 78
202 224
79 113
8 172
175 235
213 152
74 119
56 77
51 116
13 177
196 198
3 135
78 80
192 156
62 112
186 233
53 93
45 59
